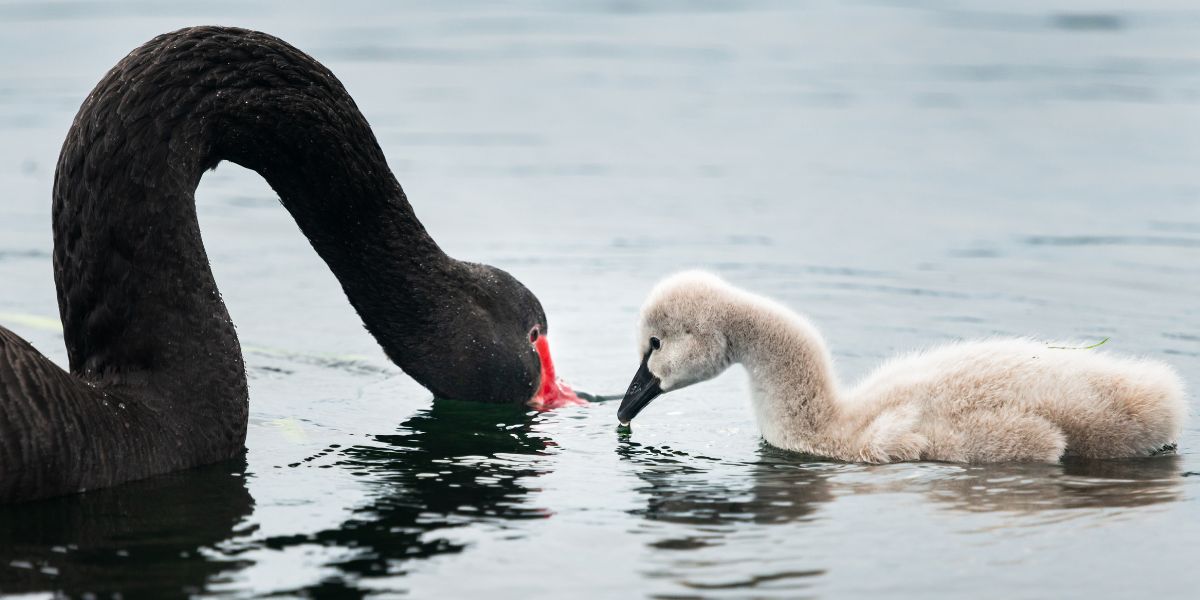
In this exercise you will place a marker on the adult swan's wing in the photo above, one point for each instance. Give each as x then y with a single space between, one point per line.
60 435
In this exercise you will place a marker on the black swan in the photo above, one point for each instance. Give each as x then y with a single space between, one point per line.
157 381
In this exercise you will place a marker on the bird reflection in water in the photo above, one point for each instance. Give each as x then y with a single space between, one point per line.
158 538
683 489
1076 483
783 487
451 465
696 504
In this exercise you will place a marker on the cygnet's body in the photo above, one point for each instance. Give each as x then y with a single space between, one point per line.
984 401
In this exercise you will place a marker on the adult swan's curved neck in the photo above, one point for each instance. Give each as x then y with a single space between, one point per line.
157 381
136 294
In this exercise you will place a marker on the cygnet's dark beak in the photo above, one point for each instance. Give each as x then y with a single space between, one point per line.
643 389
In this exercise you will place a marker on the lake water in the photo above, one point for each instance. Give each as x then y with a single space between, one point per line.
905 173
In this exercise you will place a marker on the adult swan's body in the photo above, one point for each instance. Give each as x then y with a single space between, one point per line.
157 381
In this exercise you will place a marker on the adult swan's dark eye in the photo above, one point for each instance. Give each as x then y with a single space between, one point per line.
655 343
533 335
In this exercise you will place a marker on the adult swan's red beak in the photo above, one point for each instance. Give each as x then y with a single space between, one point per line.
553 393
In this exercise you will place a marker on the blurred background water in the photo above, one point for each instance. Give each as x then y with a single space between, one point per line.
906 173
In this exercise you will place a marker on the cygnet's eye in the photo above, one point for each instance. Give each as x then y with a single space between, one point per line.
533 335
655 343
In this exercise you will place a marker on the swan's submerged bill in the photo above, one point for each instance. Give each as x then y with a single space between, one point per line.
982 401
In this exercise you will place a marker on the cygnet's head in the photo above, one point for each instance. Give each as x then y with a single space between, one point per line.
681 338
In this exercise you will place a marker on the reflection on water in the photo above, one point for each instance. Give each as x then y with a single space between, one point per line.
152 538
461 465
679 489
709 504
452 465
782 487
1075 484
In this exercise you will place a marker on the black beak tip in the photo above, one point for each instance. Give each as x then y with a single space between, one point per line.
625 416
644 388
641 392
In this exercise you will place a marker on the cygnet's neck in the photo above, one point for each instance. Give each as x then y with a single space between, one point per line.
795 393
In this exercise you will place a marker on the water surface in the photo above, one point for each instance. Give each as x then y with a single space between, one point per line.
904 173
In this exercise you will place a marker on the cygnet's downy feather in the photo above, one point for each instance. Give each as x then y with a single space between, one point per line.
980 401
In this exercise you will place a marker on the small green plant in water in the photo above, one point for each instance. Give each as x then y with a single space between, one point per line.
1096 345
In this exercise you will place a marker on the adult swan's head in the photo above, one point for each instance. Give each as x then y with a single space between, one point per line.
482 337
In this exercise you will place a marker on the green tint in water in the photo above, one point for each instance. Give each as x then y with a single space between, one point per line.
153 538
452 465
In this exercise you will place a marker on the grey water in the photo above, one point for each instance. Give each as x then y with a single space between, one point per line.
905 173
